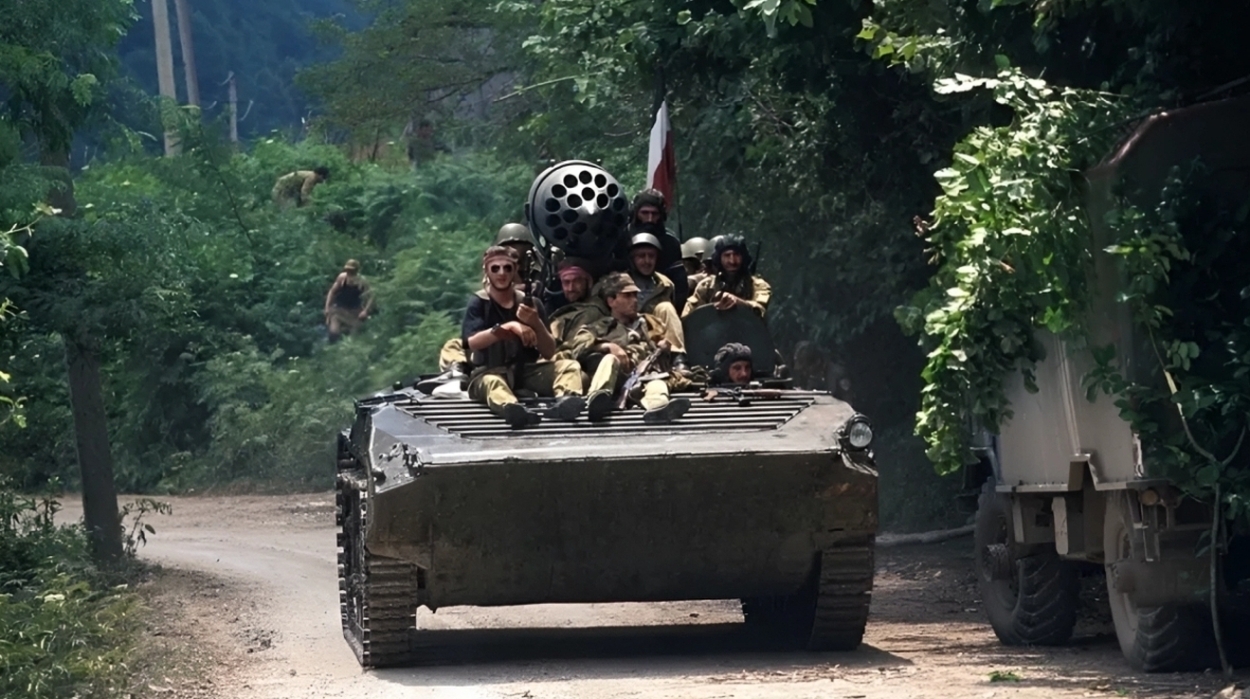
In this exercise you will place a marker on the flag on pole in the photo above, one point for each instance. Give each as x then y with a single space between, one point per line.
661 163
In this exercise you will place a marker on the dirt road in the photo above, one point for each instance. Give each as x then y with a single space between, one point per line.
249 591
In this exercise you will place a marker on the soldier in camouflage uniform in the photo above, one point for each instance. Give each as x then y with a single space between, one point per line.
582 308
656 295
733 283
626 338
512 348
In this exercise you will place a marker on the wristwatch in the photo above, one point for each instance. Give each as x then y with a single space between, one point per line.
496 329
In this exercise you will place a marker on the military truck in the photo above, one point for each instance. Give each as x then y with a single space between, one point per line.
1067 482
769 498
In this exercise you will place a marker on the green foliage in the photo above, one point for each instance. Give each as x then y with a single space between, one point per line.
417 57
63 631
1009 235
1182 260
54 58
208 301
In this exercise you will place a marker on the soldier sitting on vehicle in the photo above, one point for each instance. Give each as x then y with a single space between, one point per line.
295 188
511 347
517 237
627 339
581 308
732 365
348 302
733 283
656 293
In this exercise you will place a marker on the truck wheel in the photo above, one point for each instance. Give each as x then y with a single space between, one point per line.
1154 639
377 596
1031 595
831 611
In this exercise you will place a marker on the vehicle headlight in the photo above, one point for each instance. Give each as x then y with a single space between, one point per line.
858 433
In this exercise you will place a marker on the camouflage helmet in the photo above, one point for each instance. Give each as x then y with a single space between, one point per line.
577 207
645 239
695 248
514 233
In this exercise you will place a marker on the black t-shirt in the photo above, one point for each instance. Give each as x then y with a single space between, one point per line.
484 314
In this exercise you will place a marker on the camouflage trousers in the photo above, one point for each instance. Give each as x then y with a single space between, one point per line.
667 313
451 354
343 321
493 387
608 377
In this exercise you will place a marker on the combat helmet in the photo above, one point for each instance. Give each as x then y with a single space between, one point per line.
695 248
577 207
514 233
645 239
731 241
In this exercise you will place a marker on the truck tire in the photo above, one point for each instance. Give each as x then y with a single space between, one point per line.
830 613
1153 639
1031 595
377 596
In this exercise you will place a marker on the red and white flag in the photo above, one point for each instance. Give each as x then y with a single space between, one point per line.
661 163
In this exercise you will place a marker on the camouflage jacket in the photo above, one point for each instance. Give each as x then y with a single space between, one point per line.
567 320
638 342
752 289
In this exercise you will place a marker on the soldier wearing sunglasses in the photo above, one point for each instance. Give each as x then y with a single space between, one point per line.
511 348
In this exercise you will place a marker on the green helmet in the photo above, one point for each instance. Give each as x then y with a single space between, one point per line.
695 248
514 233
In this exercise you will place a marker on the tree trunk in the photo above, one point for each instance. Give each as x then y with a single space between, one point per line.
188 51
95 460
165 68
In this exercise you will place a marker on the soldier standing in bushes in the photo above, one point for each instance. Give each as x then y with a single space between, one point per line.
348 303
295 188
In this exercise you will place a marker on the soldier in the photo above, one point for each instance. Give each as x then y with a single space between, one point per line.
511 347
733 283
348 302
649 214
732 365
295 188
516 237
581 308
625 338
693 254
656 293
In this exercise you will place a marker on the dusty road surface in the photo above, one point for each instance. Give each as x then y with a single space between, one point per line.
249 598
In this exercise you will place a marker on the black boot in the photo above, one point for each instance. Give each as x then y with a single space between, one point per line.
566 408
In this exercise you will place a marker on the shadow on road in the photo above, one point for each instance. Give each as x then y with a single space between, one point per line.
697 647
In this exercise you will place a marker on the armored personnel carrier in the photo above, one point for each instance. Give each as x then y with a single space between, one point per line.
767 497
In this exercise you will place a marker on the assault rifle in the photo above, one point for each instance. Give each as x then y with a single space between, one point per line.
743 395
640 371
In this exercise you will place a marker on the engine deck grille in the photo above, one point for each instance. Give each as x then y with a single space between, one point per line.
465 418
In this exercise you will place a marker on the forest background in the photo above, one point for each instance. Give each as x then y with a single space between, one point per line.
811 126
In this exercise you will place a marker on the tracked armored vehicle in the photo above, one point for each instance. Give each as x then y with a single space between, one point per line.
770 498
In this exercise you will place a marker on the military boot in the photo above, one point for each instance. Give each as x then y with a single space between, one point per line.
666 413
566 408
599 405
518 416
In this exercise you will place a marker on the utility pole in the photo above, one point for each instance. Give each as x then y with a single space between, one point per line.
188 51
165 66
234 108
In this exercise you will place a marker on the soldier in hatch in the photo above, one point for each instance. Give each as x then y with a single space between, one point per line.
511 348
295 188
732 365
626 338
581 308
733 284
348 303
655 296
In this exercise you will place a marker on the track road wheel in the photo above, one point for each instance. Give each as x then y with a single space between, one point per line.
1031 595
831 611
377 596
1154 639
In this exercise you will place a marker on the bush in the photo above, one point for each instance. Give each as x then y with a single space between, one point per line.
63 631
